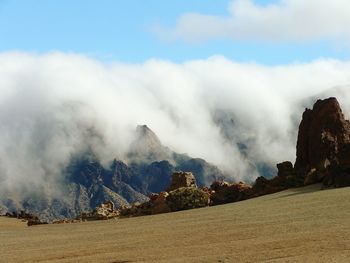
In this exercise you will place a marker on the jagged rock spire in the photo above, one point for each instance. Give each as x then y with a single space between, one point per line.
324 134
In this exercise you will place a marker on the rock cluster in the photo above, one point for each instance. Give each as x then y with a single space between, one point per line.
29 218
322 156
223 192
157 204
182 194
323 147
322 152
103 212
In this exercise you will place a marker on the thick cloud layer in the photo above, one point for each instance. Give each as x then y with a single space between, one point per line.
57 105
283 20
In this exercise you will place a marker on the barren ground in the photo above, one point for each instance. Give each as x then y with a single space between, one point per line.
299 225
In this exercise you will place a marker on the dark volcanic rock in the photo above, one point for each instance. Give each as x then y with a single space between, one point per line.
204 172
323 147
285 169
224 192
286 178
159 203
155 177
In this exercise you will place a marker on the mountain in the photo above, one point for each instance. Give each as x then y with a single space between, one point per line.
87 183
147 147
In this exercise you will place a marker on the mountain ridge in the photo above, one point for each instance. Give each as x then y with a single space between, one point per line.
87 183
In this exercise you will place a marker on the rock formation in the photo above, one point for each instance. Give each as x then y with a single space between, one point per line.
182 179
323 147
183 194
187 198
322 155
103 212
224 192
159 203
31 219
86 183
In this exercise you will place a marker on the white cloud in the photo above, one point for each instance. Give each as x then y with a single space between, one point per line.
54 105
284 20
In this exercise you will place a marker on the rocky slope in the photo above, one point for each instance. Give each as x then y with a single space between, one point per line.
87 183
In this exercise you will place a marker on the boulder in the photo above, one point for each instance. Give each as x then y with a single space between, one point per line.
285 169
284 180
182 179
187 198
224 192
159 204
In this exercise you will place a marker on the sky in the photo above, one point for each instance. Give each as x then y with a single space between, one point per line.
270 32
207 76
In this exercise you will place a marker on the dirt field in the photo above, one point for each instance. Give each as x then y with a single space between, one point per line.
302 225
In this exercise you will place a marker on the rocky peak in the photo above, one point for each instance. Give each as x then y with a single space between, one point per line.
147 146
146 136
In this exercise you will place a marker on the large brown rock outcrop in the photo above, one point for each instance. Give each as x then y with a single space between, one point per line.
323 147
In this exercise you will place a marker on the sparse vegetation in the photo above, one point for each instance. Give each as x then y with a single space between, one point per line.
185 198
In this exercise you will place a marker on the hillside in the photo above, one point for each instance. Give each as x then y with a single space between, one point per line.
297 225
85 183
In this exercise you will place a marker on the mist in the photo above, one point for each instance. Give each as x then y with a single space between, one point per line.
54 106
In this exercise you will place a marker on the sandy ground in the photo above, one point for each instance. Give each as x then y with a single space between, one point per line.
301 225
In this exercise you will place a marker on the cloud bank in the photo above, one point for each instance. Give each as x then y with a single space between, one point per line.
57 105
284 20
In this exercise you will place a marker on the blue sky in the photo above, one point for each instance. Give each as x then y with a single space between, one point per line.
122 30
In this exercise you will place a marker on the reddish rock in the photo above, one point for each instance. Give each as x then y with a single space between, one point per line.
210 192
263 186
182 179
323 139
286 178
224 192
153 196
103 212
160 204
